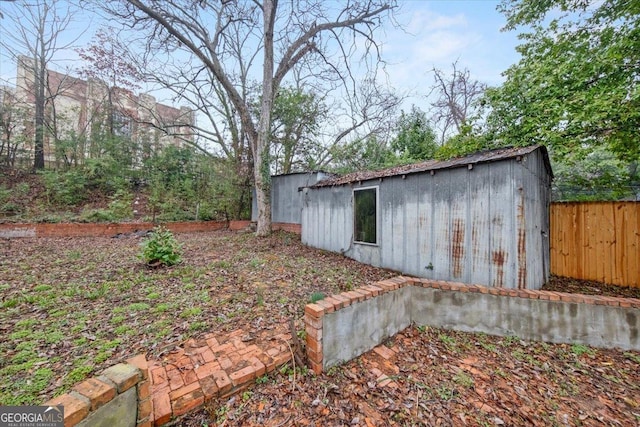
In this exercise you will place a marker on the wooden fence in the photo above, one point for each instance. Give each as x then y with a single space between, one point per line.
596 241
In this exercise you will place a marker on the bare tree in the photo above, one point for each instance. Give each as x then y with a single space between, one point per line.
370 114
282 36
38 25
105 64
11 120
456 98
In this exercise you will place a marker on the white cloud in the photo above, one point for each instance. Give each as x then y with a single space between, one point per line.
426 20
437 34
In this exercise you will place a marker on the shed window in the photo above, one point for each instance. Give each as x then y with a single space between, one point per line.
364 212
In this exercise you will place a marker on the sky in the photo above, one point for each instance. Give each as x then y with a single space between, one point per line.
438 33
432 33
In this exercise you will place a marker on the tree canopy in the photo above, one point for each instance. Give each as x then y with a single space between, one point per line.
575 87
415 140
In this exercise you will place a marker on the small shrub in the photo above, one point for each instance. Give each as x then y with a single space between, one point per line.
316 296
580 349
120 206
65 188
11 208
161 248
96 215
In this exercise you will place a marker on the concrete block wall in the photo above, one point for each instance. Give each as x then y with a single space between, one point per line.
341 327
120 396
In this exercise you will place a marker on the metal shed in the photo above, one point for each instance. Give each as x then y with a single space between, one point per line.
286 195
481 219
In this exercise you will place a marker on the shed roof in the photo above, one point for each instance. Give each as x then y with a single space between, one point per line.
431 165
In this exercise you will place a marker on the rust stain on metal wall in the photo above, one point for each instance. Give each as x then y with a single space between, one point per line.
457 247
522 248
499 258
475 245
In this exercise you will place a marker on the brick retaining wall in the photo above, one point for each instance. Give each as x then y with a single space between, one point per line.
119 396
343 326
108 230
102 230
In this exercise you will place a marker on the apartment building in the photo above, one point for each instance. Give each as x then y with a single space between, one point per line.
83 111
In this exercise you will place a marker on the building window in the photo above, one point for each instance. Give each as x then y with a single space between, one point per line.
365 202
122 125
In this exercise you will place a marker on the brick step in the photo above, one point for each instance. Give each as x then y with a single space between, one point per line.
213 366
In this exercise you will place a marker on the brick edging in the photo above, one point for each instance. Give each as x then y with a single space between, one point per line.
95 392
314 312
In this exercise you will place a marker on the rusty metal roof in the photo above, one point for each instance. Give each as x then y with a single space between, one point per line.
432 165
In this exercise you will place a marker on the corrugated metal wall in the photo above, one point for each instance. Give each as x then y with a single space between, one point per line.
287 200
484 225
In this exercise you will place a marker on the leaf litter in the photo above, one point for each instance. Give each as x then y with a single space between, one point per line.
74 306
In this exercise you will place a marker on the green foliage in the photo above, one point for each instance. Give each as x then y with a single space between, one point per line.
185 185
65 188
106 174
580 349
8 203
316 296
69 150
120 208
415 140
161 248
576 85
294 128
463 379
468 141
77 374
120 205
182 184
362 154
5 193
633 357
597 175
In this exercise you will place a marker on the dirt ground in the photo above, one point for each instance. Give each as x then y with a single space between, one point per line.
73 306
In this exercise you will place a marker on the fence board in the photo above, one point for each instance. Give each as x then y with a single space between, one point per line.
596 241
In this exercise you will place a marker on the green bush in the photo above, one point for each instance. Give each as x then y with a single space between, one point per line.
65 188
316 296
11 208
121 205
96 215
161 248
5 194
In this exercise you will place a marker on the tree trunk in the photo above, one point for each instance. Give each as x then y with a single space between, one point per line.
263 190
40 81
261 164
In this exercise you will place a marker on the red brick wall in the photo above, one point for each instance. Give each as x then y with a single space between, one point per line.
238 225
108 230
292 228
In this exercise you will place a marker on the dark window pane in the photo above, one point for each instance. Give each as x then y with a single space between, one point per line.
365 215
